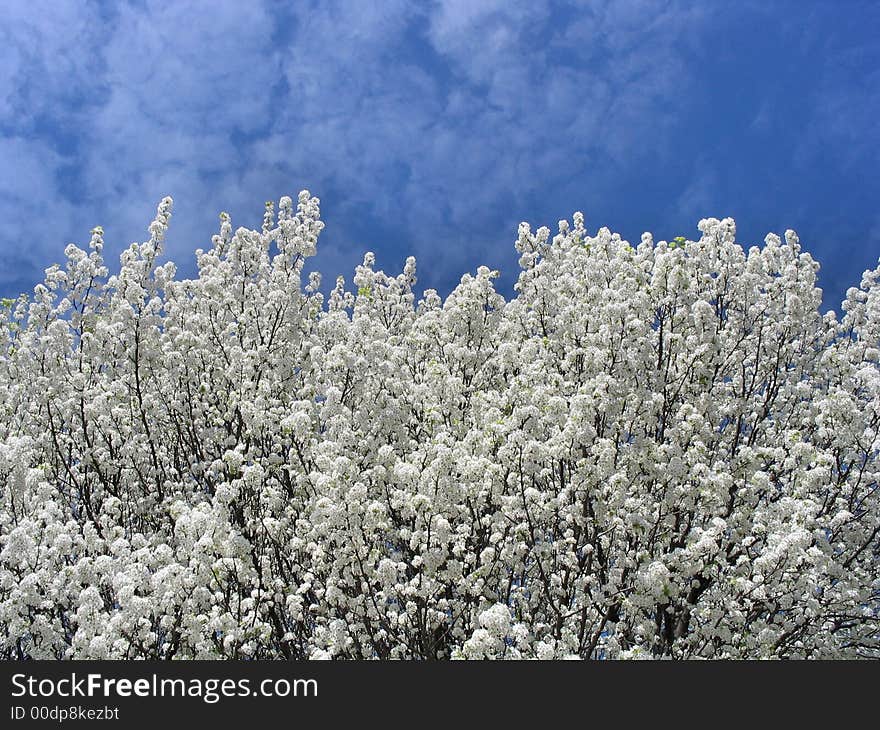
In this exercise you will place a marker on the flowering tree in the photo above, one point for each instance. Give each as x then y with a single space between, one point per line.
653 451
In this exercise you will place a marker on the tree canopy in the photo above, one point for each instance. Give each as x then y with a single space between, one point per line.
661 450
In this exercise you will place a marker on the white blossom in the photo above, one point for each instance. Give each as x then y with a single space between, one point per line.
661 450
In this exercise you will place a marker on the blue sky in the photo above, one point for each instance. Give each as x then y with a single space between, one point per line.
433 128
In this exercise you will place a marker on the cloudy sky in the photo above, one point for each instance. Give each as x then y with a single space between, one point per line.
433 128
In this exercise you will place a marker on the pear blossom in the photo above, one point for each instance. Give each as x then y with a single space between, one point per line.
661 450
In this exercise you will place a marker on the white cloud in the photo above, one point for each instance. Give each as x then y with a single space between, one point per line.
436 120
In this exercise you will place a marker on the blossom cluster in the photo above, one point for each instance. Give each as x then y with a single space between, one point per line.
662 450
